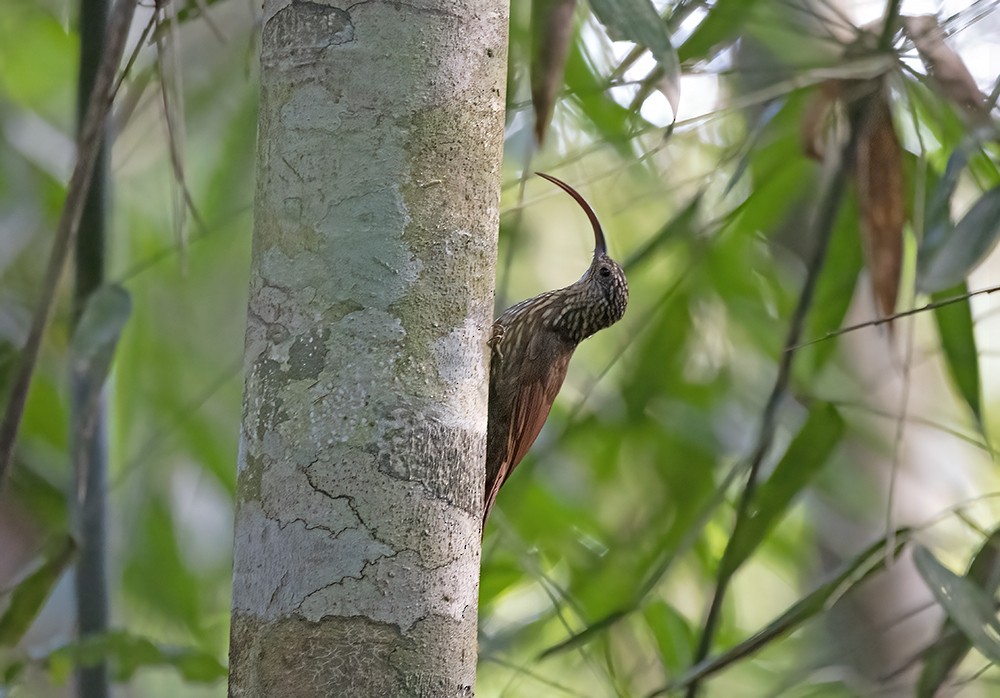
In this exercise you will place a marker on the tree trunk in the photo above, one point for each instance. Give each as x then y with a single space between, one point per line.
361 466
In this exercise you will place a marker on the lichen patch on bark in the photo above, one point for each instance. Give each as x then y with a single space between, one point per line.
302 659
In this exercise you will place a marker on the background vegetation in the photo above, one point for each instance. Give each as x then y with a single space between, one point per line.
871 512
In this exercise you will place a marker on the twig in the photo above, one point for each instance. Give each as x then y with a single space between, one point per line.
889 318
823 223
79 183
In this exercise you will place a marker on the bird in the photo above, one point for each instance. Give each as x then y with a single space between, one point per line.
531 344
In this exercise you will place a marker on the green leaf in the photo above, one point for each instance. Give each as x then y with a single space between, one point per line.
497 577
612 121
127 653
35 493
93 349
35 50
155 574
673 635
682 224
807 453
29 596
965 602
951 646
835 288
722 22
958 341
101 323
937 216
638 21
863 566
969 243
11 673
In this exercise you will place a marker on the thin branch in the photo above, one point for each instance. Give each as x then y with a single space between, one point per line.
895 316
823 223
69 222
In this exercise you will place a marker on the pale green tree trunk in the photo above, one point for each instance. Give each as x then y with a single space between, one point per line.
364 430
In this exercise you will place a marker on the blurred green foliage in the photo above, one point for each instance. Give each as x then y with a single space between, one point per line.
605 549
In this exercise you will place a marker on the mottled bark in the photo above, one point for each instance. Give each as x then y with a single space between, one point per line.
360 480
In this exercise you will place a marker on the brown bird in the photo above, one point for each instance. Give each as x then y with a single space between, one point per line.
532 343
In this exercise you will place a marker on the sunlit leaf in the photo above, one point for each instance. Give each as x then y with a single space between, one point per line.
638 21
612 122
724 19
958 341
34 53
28 596
965 602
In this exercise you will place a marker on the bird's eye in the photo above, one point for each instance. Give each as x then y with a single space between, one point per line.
605 271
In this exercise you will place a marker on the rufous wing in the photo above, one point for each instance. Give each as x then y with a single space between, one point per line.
523 386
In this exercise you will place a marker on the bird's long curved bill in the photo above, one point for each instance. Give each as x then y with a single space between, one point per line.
600 246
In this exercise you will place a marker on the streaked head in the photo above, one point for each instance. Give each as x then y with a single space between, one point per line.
603 285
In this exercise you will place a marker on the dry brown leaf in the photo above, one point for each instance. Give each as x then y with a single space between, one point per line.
551 29
879 176
816 118
944 65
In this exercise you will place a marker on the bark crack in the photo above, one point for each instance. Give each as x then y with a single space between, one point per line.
316 487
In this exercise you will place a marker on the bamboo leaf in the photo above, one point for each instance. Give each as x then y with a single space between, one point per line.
879 177
126 653
28 597
638 21
673 635
612 121
863 566
951 646
971 240
958 342
806 454
101 324
551 30
817 116
835 288
965 602
680 225
721 24
155 573
945 66
937 214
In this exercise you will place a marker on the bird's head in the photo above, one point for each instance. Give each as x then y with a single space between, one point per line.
603 288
